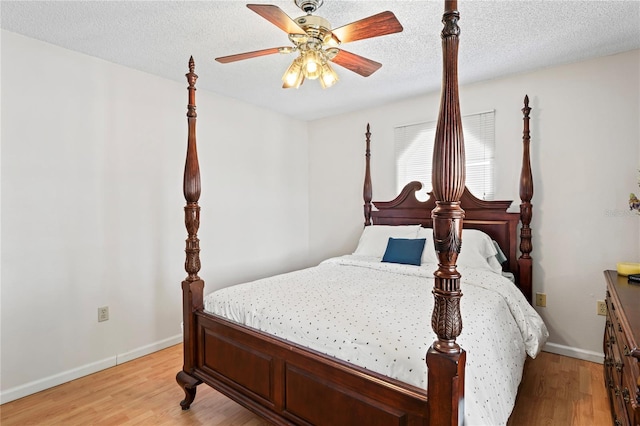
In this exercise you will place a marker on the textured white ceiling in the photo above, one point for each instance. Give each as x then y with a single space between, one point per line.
498 38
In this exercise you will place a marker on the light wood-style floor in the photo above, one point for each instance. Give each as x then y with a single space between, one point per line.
556 390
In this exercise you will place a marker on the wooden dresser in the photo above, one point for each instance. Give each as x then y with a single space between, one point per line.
621 352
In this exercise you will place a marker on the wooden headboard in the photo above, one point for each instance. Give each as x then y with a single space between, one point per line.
490 217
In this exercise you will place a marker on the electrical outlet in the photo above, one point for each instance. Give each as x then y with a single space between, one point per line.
541 299
103 314
602 307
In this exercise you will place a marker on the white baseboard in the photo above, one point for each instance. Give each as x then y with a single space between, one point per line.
75 373
148 349
583 354
55 380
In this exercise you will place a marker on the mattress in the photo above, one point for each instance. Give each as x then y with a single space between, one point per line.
377 315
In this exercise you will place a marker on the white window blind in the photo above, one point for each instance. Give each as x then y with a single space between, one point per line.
414 152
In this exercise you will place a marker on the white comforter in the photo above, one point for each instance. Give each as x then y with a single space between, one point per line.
378 316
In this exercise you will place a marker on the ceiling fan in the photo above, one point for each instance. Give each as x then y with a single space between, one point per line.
316 43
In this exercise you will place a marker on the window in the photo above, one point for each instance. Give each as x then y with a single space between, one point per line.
414 152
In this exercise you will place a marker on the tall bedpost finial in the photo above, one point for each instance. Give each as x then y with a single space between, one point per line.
445 358
525 262
191 79
191 183
367 192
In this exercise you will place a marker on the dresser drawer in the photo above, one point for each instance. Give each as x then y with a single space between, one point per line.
620 349
629 390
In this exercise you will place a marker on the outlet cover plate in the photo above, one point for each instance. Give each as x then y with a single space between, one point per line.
103 313
602 307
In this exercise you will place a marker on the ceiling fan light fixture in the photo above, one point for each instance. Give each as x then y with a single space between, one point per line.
328 77
312 64
316 42
294 76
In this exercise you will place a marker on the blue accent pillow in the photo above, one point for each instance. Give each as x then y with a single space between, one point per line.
405 251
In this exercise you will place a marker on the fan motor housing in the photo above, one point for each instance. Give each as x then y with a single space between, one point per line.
313 21
315 26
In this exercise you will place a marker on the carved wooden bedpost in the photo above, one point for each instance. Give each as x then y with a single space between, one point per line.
445 358
526 209
192 286
367 192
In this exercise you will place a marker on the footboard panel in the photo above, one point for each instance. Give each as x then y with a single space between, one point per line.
317 400
288 384
223 356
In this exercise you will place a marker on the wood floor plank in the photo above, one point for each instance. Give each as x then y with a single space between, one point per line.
555 390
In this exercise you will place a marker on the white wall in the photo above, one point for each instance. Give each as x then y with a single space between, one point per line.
585 139
92 162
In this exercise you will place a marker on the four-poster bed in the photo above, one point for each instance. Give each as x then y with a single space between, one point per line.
293 383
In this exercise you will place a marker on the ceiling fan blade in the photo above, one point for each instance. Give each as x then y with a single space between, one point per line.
254 54
374 26
277 17
356 63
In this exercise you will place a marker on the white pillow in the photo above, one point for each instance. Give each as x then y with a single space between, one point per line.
478 250
374 238
429 252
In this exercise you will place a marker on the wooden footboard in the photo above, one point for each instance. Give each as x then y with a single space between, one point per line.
289 384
